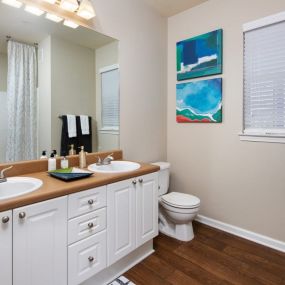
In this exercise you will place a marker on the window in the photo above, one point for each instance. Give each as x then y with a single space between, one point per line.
110 98
264 79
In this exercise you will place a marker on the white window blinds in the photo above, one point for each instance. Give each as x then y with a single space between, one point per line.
110 98
264 79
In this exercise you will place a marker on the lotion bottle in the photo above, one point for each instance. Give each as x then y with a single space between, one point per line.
51 162
64 163
82 158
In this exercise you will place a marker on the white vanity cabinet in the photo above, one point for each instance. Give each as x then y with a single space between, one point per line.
87 238
6 247
40 243
121 216
146 208
132 215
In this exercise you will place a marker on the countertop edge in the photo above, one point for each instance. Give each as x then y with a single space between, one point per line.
67 188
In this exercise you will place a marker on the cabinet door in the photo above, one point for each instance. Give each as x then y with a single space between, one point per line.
120 220
147 208
40 243
6 248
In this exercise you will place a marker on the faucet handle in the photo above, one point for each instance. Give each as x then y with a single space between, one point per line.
4 170
99 161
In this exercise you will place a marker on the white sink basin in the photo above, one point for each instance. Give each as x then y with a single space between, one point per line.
115 167
17 186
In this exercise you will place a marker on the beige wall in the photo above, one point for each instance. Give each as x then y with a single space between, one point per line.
142 60
105 56
73 84
240 183
44 91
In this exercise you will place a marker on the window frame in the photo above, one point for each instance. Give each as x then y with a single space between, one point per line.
109 129
271 136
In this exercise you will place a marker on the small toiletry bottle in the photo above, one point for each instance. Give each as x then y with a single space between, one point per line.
55 153
64 163
44 155
51 162
82 158
72 150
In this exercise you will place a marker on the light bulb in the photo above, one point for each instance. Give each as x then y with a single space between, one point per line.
13 3
34 10
69 5
53 18
86 10
70 24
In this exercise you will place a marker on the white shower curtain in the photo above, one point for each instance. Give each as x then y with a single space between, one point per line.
22 102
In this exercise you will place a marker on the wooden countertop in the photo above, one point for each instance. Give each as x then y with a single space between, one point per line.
53 188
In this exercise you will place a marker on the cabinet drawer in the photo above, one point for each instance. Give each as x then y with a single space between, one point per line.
86 225
86 201
86 258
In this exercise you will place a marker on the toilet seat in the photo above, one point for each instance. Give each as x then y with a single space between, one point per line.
181 200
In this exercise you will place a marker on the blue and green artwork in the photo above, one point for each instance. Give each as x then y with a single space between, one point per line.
199 101
200 56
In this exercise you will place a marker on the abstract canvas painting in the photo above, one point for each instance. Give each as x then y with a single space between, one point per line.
199 101
200 56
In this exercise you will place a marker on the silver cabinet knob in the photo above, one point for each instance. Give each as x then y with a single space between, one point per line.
140 180
90 225
91 202
91 258
5 220
22 215
134 182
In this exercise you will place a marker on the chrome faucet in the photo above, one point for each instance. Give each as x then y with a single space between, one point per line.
107 160
2 176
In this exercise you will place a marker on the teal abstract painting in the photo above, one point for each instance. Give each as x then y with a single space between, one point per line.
200 56
199 101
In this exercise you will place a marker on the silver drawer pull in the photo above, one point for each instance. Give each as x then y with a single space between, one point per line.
22 215
5 220
91 258
140 180
90 225
91 202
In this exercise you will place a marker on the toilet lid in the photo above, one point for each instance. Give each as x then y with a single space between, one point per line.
181 200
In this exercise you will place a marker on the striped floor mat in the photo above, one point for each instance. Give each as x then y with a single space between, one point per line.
122 281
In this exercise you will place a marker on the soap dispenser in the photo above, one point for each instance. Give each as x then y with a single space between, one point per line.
82 158
51 162
72 150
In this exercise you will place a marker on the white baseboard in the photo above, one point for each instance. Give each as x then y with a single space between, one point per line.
252 236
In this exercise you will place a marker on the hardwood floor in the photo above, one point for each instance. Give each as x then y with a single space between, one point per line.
213 257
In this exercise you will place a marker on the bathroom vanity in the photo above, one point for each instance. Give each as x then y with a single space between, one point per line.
83 232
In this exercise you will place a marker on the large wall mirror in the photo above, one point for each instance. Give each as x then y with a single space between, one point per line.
58 86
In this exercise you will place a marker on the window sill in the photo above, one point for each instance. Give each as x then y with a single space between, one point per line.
274 138
109 130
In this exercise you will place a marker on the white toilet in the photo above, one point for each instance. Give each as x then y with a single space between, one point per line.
176 210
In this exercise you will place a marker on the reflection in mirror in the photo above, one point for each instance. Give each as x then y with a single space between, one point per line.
49 71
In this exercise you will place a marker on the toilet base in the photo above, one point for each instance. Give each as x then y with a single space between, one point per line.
183 232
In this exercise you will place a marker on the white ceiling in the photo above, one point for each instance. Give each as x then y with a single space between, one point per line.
23 26
169 8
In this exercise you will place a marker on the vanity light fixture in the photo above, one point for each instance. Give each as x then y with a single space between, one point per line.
53 18
86 10
70 24
34 10
50 1
69 5
13 3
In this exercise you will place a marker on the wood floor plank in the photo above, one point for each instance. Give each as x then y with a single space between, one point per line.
213 257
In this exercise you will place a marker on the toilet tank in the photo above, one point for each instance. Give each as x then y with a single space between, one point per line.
163 177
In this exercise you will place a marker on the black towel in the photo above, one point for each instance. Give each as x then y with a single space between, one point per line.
80 140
